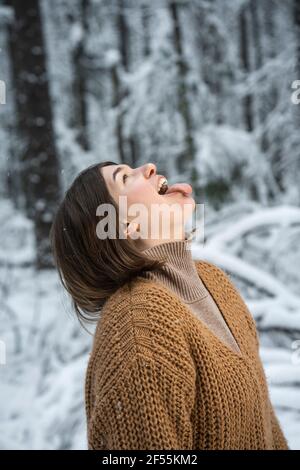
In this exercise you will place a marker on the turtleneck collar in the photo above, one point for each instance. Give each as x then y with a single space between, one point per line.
180 272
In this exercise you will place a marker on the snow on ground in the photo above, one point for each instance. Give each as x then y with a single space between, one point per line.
42 382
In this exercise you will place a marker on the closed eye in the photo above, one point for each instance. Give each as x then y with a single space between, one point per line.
124 178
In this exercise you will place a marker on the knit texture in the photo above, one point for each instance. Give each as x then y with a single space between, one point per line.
180 275
158 378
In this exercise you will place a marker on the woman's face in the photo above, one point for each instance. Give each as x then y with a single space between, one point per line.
140 186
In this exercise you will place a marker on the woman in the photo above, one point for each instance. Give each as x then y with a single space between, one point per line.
175 359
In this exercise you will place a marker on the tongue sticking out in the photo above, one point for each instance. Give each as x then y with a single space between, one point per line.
183 188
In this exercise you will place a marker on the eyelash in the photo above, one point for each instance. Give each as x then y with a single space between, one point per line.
124 176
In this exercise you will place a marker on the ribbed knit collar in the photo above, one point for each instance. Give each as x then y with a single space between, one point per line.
180 272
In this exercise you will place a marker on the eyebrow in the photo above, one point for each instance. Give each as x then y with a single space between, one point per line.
120 168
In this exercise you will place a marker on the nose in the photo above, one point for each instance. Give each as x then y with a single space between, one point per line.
149 170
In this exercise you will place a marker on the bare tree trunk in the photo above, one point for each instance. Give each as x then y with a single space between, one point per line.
271 98
296 165
297 28
40 165
117 97
211 57
131 143
269 21
260 100
245 62
187 160
270 101
146 29
258 57
14 180
80 111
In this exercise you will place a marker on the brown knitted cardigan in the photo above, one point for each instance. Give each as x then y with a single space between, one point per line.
158 378
180 275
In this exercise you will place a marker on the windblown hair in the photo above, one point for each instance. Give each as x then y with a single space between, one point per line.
92 269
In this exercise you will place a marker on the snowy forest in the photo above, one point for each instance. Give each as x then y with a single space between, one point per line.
209 91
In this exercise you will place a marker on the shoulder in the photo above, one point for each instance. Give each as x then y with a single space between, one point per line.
222 287
140 320
210 269
140 303
217 279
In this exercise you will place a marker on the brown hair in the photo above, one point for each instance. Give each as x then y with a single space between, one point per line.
92 269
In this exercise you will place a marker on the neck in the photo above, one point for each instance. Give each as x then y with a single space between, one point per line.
179 273
143 245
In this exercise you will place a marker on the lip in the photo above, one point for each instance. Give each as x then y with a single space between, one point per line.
178 192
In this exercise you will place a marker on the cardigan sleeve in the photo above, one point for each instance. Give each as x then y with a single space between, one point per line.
147 408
